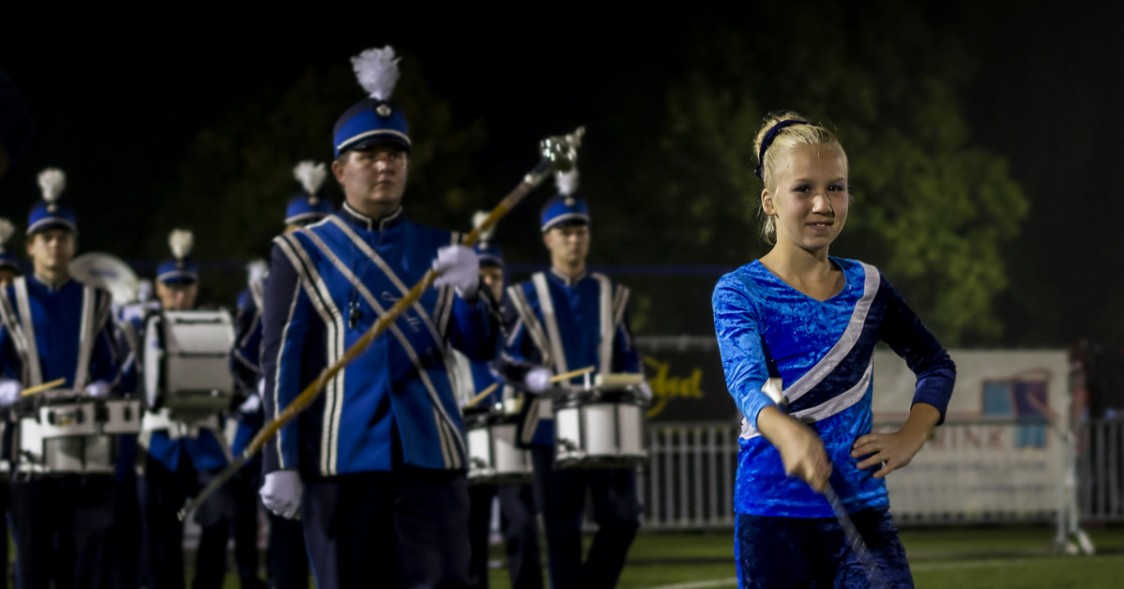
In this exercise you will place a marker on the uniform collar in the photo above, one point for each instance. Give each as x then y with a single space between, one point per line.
568 281
51 288
362 221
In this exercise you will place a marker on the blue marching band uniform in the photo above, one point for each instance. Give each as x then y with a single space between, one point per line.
62 329
566 323
179 457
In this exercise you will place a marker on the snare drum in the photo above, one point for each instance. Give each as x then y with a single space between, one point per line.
599 429
67 433
185 361
493 456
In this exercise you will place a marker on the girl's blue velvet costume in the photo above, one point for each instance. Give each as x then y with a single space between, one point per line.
785 535
823 351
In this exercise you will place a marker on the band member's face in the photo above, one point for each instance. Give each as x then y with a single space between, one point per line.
51 249
568 245
811 197
492 277
373 178
177 297
6 276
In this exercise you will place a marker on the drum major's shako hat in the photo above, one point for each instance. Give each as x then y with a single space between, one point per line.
373 120
50 212
487 252
565 208
307 207
7 259
180 268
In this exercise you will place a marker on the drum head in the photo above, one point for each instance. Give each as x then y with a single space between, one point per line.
153 357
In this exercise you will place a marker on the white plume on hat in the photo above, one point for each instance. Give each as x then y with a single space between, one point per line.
477 220
181 241
7 230
52 181
311 175
256 270
377 71
567 181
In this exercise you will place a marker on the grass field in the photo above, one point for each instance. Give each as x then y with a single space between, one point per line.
958 558
941 558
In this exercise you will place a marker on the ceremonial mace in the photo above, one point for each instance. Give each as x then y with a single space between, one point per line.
559 154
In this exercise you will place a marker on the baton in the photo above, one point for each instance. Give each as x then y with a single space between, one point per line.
558 154
773 388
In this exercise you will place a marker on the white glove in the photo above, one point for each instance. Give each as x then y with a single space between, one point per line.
458 266
10 390
99 389
537 379
252 404
645 390
281 493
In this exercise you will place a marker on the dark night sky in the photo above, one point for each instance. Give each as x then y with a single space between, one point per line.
1047 95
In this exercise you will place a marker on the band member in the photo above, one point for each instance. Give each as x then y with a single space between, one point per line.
287 556
797 330
518 522
56 328
565 319
375 467
182 453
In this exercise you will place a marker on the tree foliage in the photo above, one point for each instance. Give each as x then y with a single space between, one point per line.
932 210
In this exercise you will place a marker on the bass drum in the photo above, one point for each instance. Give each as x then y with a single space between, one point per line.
185 362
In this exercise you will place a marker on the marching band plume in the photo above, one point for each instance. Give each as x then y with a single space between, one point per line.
377 71
478 220
311 175
181 241
567 181
52 181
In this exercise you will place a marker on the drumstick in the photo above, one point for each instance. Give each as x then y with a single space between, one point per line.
480 396
39 388
571 374
558 153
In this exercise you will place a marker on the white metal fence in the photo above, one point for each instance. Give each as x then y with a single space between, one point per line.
688 481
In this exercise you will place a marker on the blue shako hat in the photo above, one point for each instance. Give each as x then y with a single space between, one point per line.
50 212
566 208
306 207
179 269
7 258
486 252
373 120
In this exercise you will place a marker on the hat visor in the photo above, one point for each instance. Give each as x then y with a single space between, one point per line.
46 224
381 139
177 278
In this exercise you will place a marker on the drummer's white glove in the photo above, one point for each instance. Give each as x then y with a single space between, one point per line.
252 404
645 390
458 266
10 390
281 493
537 379
99 389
